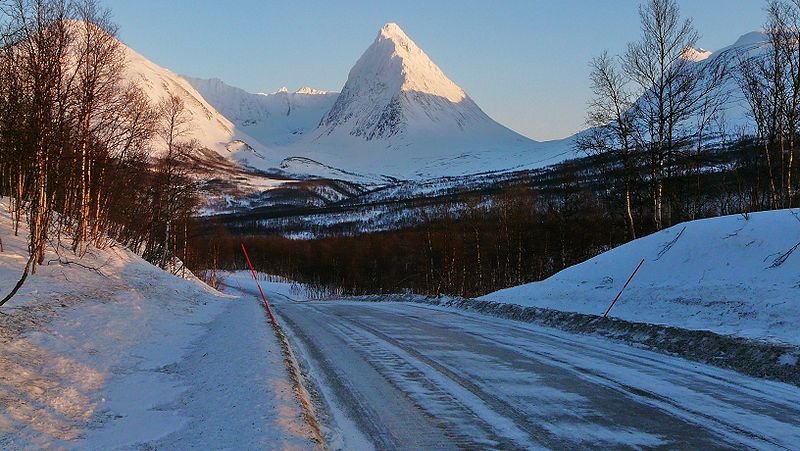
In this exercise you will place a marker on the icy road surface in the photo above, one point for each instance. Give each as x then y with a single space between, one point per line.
406 376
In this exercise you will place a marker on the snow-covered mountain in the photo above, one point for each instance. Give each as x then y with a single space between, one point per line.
396 89
208 126
735 111
750 45
399 115
274 119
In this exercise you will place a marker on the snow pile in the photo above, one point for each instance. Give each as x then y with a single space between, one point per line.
109 352
729 275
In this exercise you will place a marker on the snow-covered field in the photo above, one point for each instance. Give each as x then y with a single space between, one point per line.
109 352
732 275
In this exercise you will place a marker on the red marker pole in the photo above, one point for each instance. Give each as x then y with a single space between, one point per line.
253 271
605 315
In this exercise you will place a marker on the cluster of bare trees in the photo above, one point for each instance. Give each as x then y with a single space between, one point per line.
466 245
76 136
661 116
771 85
654 107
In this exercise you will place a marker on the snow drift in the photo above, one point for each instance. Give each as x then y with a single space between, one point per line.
729 275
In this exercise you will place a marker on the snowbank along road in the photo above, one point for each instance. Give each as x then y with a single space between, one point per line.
405 376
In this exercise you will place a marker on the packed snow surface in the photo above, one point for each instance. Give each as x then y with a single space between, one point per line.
731 275
109 352
393 375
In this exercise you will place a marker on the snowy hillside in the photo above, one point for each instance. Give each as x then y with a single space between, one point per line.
729 275
279 118
751 45
207 125
110 352
735 111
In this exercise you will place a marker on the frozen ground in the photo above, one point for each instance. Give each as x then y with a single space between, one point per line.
126 356
730 275
406 376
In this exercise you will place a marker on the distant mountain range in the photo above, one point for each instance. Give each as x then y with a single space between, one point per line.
398 116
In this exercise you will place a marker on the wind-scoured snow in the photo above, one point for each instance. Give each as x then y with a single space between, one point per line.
730 275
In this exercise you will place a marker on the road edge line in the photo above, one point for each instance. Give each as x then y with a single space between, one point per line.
301 393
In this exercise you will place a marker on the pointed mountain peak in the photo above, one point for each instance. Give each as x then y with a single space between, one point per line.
396 88
393 31
396 61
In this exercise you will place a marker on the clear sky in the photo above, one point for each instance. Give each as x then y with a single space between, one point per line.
523 61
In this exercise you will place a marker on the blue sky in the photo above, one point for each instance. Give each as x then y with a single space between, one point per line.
523 61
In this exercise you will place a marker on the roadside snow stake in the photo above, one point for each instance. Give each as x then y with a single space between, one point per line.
605 315
253 271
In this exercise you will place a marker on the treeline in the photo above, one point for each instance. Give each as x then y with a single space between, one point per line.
483 241
76 137
514 238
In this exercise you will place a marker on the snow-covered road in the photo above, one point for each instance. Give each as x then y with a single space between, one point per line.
406 376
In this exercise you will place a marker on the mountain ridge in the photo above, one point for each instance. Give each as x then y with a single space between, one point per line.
274 119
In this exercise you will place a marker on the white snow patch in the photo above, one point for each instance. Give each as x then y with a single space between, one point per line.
729 275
